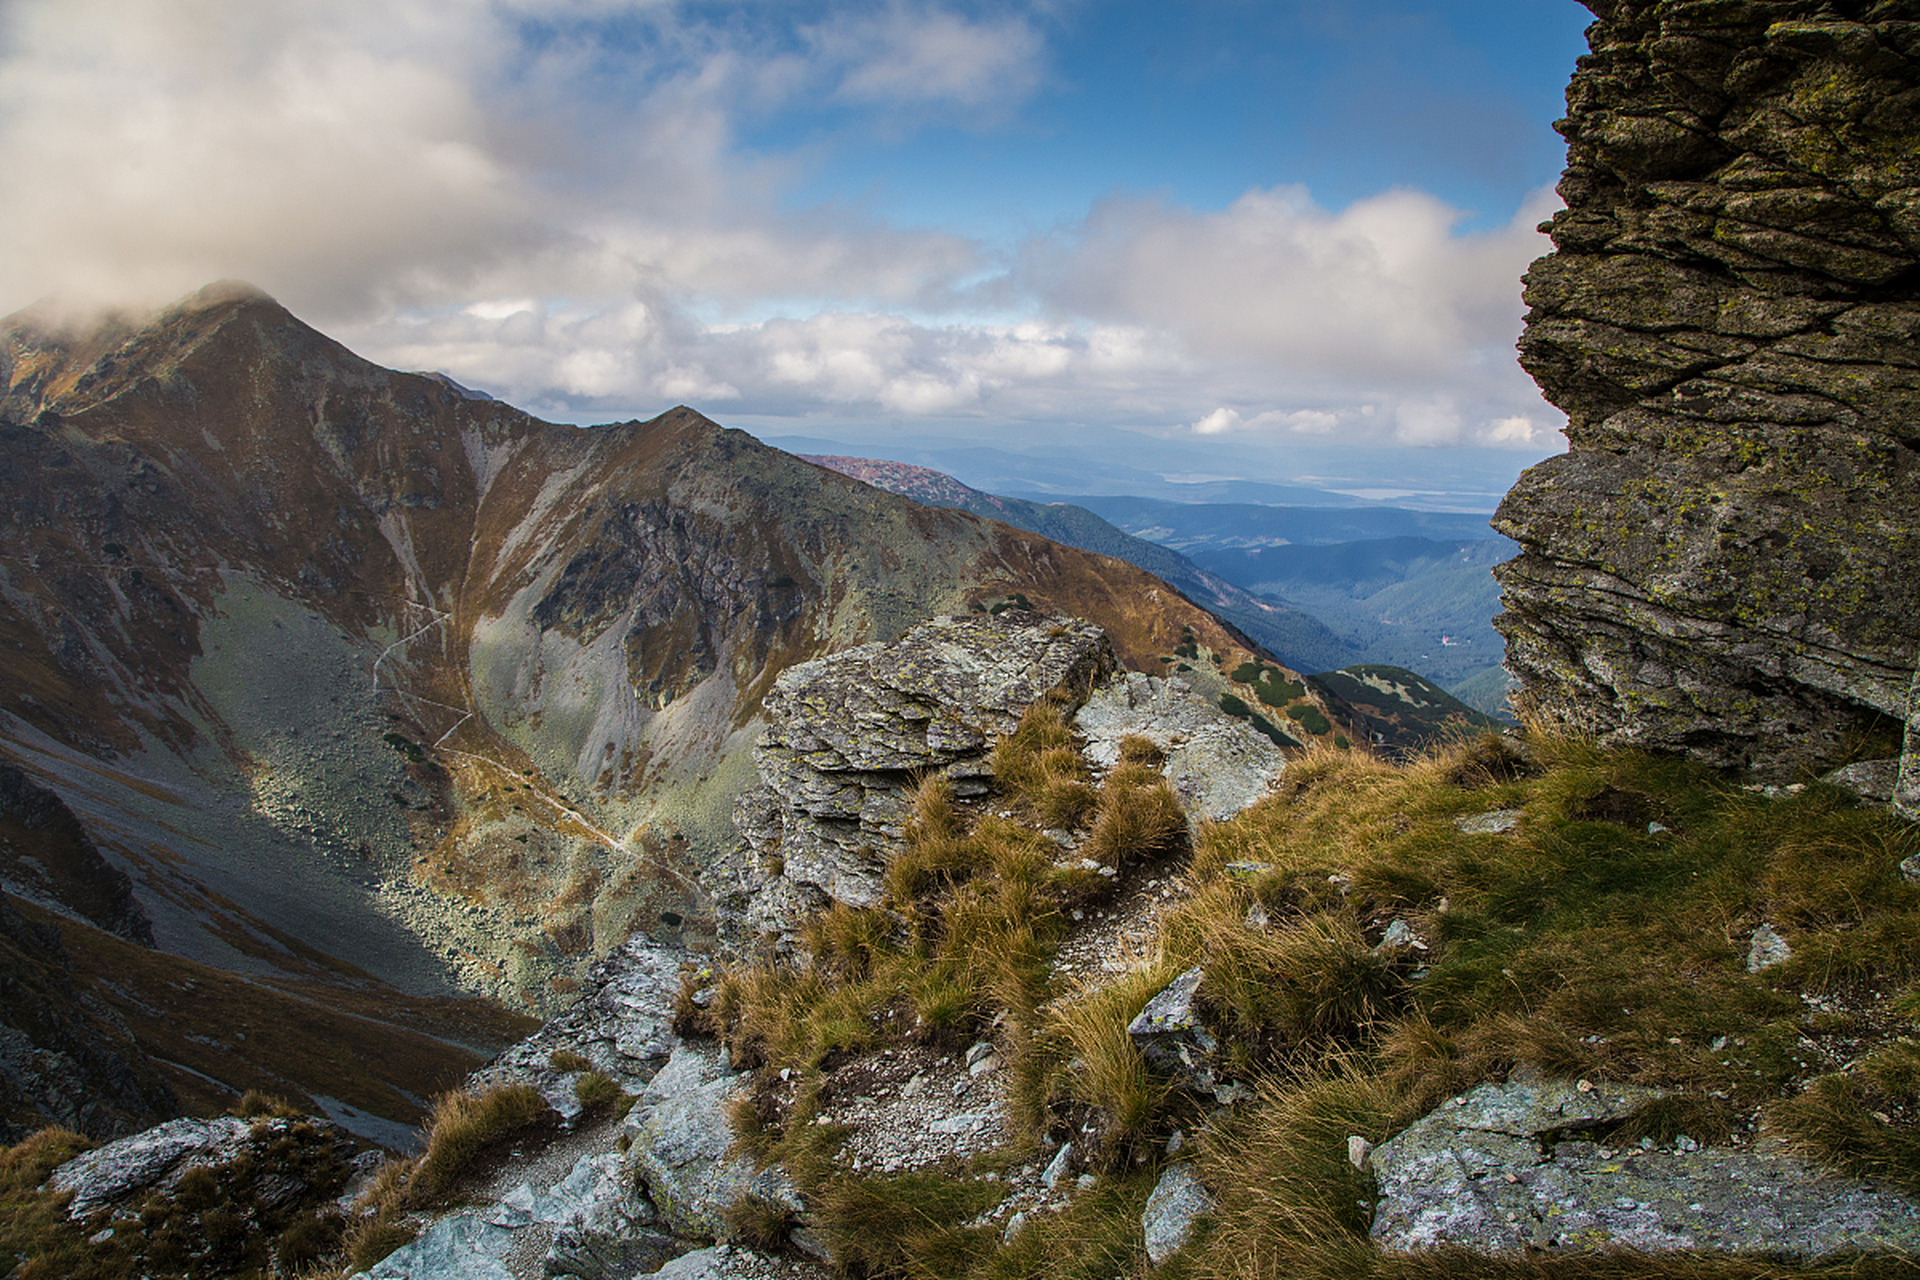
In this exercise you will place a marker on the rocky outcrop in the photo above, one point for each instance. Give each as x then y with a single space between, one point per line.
1723 562
1529 1165
622 1024
850 736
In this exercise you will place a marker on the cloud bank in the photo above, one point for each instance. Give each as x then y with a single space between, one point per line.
571 204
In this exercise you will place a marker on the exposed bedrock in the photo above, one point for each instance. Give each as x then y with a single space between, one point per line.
1724 562
850 736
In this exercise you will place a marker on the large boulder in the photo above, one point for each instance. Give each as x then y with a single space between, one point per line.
849 736
1723 562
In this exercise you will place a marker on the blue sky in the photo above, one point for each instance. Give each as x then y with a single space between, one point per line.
1220 223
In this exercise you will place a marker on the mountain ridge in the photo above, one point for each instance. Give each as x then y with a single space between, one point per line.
363 679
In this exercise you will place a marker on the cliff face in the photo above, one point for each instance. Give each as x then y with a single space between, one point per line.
1724 562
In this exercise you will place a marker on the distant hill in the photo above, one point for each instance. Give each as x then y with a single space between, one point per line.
1296 637
1407 710
1207 526
1413 602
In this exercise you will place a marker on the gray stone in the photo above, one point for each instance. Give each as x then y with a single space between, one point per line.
679 1150
116 1171
1170 1037
1873 780
1767 949
1217 765
1514 1167
1172 1009
1058 1167
1177 1201
965 1122
1400 934
717 1262
1493 823
461 1246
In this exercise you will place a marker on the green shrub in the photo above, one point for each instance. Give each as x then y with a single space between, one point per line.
1310 718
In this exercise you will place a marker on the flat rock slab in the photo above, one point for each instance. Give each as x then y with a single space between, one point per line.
1216 764
1511 1167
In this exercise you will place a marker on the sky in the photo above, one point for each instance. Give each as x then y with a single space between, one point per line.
1242 227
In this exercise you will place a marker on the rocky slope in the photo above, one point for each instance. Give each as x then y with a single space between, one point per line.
370 682
1722 563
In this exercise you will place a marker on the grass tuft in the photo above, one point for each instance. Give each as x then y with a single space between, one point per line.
464 1127
1138 817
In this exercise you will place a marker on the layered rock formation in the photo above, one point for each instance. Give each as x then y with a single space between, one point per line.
1724 561
851 735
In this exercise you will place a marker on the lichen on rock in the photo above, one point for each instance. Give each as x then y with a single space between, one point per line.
1722 563
1530 1165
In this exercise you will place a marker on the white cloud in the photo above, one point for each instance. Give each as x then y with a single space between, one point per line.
903 55
571 222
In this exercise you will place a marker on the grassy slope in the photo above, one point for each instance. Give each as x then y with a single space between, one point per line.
1605 937
213 1035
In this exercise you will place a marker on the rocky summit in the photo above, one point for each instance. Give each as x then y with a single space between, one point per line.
1723 562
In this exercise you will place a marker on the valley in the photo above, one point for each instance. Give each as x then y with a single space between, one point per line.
1320 587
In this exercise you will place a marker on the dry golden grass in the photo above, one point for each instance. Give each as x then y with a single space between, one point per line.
1138 817
1583 942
